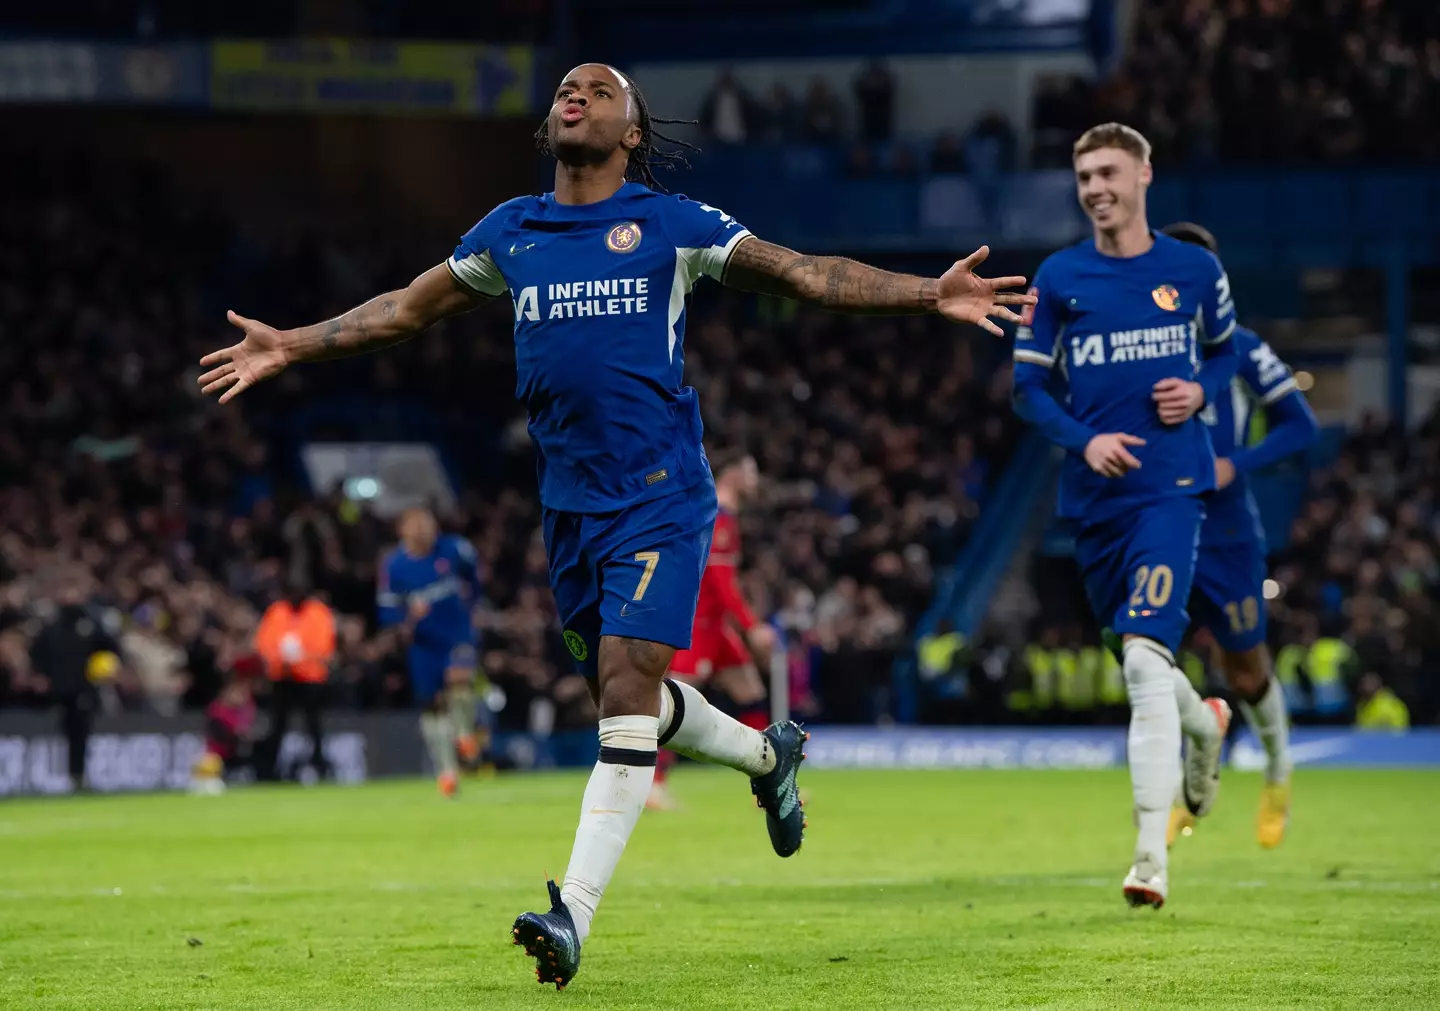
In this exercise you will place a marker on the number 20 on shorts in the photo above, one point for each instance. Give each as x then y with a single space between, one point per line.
1153 586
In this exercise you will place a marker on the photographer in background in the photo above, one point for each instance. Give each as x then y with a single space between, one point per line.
72 645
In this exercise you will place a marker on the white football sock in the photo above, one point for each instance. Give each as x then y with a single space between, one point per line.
613 800
696 729
1154 744
439 735
1270 722
460 703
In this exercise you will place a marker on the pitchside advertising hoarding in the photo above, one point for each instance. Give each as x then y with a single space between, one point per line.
146 753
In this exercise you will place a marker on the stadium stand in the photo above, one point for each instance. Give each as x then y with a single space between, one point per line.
183 520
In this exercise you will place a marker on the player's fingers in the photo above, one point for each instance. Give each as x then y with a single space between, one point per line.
216 357
240 387
219 384
1128 461
996 283
1166 384
974 259
215 373
1130 440
1014 297
237 319
993 328
1005 314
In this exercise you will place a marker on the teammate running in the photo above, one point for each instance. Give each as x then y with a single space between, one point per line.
1127 315
598 273
427 589
1229 597
717 656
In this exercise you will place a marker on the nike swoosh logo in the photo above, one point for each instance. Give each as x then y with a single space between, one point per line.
788 797
517 249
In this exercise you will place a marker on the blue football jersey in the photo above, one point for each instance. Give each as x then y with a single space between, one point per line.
1262 382
600 296
1116 327
447 579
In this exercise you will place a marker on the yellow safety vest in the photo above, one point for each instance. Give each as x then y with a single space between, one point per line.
1384 711
1078 675
937 652
1112 681
1040 693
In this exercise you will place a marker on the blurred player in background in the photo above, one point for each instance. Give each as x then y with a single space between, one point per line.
427 588
229 737
598 273
1141 326
718 657
1229 596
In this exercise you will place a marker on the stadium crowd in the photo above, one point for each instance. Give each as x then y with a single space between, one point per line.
179 521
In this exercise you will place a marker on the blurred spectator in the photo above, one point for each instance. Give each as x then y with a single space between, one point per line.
73 648
728 113
875 98
1380 708
947 157
990 147
296 640
781 116
824 118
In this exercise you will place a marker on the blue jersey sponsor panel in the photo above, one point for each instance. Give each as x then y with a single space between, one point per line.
633 573
1138 568
600 293
1104 332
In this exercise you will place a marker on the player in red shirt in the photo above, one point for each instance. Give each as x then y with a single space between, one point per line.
718 656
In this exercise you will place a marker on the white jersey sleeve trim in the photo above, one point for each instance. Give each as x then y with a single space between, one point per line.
1280 391
1034 357
1223 336
478 273
711 261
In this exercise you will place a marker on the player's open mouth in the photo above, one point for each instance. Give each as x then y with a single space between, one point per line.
1102 205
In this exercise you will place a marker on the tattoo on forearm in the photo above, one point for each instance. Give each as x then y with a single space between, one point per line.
330 337
829 281
368 327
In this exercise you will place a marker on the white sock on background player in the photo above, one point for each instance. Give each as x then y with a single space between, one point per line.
613 800
1270 722
694 728
1154 743
439 736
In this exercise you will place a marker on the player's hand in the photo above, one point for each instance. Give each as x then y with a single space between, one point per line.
1108 457
1177 400
965 297
259 355
418 609
761 639
1224 472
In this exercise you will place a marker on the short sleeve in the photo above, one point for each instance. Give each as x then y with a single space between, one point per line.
1041 324
472 263
1218 307
1266 373
704 236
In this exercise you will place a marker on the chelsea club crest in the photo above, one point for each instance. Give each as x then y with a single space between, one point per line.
623 238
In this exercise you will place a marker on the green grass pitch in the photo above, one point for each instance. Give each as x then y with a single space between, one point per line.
914 890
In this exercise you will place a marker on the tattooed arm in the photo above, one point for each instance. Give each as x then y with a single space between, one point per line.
830 281
842 285
381 322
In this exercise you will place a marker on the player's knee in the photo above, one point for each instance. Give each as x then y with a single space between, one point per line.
630 673
1248 673
1145 664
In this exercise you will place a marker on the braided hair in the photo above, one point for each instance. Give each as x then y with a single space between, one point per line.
647 155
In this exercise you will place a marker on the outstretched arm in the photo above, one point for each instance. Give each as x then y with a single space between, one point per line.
843 285
385 320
